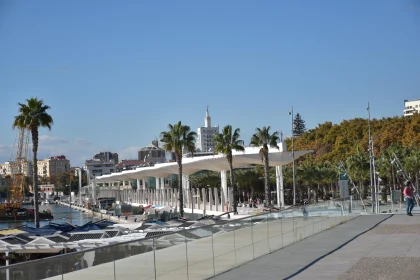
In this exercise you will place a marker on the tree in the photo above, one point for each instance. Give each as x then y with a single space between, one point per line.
262 138
358 166
225 143
32 116
299 126
177 139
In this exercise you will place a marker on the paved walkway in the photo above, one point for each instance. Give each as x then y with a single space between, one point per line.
368 247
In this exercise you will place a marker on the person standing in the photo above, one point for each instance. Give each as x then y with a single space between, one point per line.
409 197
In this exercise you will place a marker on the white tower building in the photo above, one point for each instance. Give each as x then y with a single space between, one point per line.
205 135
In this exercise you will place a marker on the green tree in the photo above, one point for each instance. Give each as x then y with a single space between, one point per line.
262 138
299 126
178 138
32 116
226 142
358 166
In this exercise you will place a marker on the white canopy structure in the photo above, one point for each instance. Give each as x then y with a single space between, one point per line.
219 163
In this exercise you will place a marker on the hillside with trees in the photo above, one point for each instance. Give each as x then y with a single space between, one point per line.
334 142
334 145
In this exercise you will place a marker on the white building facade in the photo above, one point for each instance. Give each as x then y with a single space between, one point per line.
7 168
53 166
411 107
95 167
205 142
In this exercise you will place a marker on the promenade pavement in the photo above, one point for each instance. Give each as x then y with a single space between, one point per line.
381 246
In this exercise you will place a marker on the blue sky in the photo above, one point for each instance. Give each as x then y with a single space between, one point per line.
117 72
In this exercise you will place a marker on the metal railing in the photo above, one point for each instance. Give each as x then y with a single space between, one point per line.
197 253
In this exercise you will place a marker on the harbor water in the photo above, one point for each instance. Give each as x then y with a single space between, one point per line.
61 215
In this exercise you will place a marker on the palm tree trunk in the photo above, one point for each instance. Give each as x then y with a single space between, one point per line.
34 133
235 197
267 180
317 192
309 193
364 196
180 190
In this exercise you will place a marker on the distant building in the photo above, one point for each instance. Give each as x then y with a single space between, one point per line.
411 107
152 153
95 167
46 191
205 135
53 166
7 167
106 157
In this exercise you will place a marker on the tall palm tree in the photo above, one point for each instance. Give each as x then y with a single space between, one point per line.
178 138
262 138
226 142
33 115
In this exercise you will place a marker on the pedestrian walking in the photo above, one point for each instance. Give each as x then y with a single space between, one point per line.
305 210
409 197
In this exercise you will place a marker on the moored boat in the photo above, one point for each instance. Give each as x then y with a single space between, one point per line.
23 214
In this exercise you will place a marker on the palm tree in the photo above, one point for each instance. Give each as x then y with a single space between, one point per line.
225 143
262 138
178 138
33 115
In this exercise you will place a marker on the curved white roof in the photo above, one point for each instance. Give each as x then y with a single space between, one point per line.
214 162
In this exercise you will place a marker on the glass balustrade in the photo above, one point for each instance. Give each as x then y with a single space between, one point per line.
196 253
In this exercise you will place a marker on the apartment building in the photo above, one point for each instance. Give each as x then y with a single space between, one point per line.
411 107
10 167
53 166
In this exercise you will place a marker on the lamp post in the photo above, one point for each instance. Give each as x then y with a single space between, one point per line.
80 185
372 171
71 218
293 158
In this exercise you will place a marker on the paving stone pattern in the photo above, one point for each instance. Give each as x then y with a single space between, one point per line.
368 247
295 261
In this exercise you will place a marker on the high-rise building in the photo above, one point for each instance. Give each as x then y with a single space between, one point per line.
411 107
205 142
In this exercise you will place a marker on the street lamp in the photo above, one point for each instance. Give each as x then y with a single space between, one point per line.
293 158
372 173
71 218
80 185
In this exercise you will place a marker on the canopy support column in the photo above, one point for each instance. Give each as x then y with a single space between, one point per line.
280 186
224 191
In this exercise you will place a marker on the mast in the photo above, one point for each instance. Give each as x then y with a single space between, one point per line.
372 171
293 158
17 167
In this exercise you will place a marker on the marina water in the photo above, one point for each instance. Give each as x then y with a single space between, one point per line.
61 215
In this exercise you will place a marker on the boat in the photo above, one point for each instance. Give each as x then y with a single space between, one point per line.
8 214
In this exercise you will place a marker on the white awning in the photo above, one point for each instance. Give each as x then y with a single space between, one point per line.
214 163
